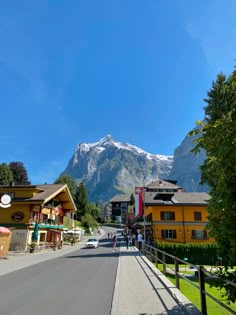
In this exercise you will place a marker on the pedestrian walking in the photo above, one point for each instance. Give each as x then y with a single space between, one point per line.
108 235
127 240
114 242
140 241
133 239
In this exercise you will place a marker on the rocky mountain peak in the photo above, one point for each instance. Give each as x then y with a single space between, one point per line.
108 167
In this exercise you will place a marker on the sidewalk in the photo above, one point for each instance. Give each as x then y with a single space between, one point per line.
141 289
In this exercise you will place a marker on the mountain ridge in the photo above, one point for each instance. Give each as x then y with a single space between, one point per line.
126 164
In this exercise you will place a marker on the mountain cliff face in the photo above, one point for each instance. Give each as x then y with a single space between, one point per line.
186 165
108 167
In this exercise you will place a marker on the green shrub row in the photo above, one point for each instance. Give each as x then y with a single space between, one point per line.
196 254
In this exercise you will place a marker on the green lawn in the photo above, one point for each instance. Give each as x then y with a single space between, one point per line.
193 294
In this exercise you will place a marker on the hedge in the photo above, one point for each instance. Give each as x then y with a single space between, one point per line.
197 254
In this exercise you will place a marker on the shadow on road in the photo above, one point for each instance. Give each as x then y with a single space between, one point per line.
92 255
95 253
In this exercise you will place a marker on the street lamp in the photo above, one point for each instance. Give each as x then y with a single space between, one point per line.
144 207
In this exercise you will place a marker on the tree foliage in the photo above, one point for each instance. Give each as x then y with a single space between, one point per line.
217 136
19 172
67 179
88 221
94 210
6 177
81 200
132 200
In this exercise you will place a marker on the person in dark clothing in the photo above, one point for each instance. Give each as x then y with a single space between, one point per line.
127 239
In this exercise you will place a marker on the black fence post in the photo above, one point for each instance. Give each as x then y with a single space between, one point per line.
156 255
177 272
202 290
164 263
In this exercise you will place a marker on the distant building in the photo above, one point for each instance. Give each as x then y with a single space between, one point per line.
120 208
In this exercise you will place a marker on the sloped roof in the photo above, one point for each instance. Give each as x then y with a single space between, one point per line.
175 198
191 197
120 198
48 191
160 183
43 194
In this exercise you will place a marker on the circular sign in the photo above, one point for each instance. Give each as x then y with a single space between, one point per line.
5 201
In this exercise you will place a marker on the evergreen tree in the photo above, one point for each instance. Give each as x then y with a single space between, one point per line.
132 200
6 176
67 179
81 200
20 175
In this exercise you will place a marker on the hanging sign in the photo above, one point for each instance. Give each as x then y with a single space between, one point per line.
5 201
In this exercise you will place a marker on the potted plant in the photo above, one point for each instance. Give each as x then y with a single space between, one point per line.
54 245
32 247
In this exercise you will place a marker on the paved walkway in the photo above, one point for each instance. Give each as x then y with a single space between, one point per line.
140 289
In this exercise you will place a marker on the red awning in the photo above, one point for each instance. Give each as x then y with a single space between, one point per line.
4 230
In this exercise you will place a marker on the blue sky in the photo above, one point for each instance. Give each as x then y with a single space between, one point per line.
74 71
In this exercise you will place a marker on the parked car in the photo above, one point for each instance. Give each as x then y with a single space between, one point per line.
92 243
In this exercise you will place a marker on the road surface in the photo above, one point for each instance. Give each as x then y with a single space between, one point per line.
80 283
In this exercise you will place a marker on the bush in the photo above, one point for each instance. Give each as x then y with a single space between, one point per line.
198 254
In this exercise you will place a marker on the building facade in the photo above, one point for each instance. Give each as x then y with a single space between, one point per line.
172 215
47 205
121 209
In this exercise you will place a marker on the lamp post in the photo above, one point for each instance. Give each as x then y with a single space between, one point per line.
144 207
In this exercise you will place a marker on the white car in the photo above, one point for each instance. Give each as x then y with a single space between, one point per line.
92 243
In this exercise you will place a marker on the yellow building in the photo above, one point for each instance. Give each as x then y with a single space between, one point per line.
45 204
175 216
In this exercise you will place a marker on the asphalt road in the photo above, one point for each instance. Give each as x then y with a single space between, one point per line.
79 283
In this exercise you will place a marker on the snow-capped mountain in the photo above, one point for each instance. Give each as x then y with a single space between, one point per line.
108 167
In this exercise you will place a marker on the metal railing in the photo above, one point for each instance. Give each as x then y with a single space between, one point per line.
158 256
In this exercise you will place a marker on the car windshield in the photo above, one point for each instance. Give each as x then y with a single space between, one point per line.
92 240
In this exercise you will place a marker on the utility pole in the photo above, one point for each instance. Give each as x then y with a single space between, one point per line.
144 207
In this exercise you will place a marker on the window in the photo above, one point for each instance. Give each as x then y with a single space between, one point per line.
149 218
167 215
168 234
199 234
197 216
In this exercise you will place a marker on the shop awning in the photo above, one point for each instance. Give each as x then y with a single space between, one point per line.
4 230
49 226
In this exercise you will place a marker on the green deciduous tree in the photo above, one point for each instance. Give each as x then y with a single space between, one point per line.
88 221
19 172
67 179
6 176
217 136
94 210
